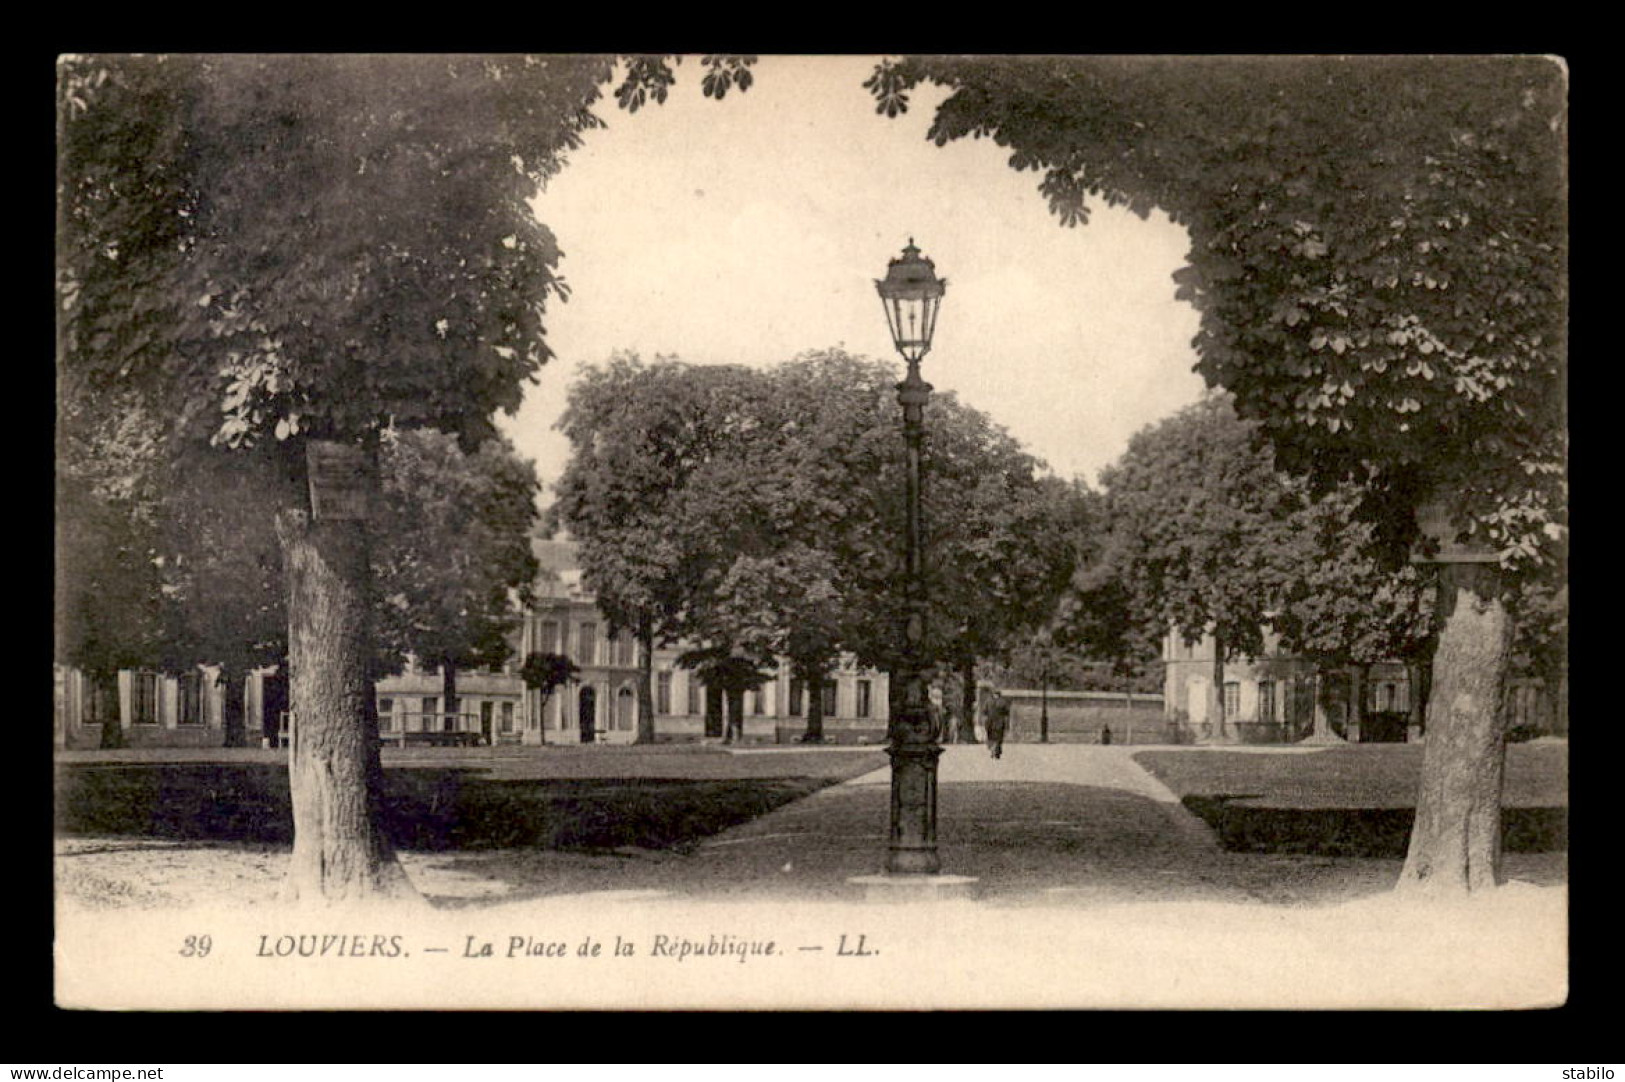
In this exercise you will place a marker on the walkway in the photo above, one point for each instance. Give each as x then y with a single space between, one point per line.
1045 822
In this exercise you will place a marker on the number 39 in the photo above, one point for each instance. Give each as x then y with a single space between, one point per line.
196 946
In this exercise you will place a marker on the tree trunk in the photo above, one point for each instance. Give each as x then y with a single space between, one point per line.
231 707
1354 726
736 715
112 721
1321 731
448 692
646 679
1456 840
340 853
812 683
1215 703
714 722
967 702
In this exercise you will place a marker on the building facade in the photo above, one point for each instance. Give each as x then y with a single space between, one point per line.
602 706
153 709
1278 698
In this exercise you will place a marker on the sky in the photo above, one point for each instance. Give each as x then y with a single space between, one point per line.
752 229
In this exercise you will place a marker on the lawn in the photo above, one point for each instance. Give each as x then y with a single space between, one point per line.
1350 801
444 800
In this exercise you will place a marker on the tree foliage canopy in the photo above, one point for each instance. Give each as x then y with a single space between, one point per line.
762 510
1378 250
547 672
452 549
1204 527
320 244
1207 535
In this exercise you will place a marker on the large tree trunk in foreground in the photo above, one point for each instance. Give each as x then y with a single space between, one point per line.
967 702
340 853
646 680
1456 841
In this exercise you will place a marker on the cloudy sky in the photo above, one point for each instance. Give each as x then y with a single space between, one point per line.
752 229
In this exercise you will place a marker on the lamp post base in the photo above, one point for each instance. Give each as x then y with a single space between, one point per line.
889 888
912 848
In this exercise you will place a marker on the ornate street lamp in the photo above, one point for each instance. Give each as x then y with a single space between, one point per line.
911 293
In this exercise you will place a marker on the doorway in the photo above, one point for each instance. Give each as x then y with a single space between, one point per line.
587 714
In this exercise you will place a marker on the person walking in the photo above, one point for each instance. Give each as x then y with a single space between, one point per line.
996 713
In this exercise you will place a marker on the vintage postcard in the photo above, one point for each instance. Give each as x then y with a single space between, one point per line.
791 532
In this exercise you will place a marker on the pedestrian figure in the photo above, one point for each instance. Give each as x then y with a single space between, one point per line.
997 714
1106 734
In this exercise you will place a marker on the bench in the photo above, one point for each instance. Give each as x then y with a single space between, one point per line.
433 739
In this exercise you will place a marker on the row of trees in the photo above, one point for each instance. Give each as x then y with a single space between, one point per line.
1198 532
180 568
759 515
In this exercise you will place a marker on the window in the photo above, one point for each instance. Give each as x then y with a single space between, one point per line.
430 708
758 701
488 711
625 703
865 700
547 637
623 649
1232 699
693 695
829 698
449 720
386 714
1266 701
796 690
587 645
663 693
507 718
144 698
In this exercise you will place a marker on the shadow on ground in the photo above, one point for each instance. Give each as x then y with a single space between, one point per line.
435 810
1245 826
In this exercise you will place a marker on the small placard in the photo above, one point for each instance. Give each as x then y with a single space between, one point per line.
1438 543
340 483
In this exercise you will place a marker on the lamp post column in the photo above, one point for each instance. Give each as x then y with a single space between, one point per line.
1043 708
913 747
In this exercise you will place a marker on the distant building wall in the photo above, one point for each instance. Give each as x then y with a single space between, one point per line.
153 709
1083 717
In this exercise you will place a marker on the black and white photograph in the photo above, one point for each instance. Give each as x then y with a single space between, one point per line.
811 532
